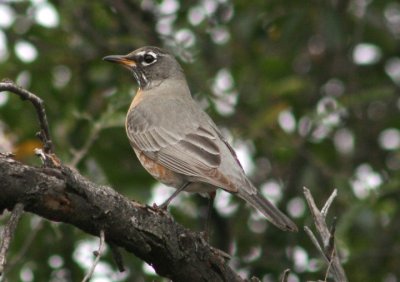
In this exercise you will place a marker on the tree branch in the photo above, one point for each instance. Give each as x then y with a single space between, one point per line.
44 135
48 158
152 235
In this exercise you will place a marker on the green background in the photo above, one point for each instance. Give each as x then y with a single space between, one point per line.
306 91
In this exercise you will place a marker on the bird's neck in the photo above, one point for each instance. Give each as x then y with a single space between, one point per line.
147 82
165 85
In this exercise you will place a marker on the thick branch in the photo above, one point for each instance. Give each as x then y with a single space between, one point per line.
64 195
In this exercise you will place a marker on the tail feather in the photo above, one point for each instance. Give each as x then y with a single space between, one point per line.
269 211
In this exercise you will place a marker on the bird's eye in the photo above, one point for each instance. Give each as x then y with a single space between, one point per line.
148 59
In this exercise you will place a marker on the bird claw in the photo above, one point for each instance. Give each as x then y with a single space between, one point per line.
162 207
221 253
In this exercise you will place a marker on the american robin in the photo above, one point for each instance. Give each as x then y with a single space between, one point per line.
176 141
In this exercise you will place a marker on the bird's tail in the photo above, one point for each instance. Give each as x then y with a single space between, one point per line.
268 210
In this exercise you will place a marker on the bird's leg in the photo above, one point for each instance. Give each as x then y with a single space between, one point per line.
211 197
177 191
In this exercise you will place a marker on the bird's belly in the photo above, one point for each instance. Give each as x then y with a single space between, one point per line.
170 178
200 187
159 172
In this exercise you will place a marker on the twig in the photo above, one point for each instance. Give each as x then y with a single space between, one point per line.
26 245
331 255
327 236
102 123
330 248
78 155
44 134
285 275
319 220
8 233
98 255
324 210
314 240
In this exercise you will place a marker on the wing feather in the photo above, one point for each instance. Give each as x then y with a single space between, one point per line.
191 153
186 147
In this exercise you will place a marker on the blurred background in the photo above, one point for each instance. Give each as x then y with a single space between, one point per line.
306 91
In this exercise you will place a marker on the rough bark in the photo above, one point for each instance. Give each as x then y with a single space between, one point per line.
151 234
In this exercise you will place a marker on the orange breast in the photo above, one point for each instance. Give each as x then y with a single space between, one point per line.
137 99
158 171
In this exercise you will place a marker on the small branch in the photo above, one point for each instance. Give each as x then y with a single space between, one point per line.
78 155
285 275
330 248
25 246
8 233
314 240
319 220
327 250
44 134
108 119
98 255
331 255
324 210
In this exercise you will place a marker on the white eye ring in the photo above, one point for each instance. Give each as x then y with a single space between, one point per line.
149 58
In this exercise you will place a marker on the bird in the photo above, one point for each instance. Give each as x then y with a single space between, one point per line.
176 141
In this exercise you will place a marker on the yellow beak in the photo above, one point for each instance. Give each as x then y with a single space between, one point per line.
120 59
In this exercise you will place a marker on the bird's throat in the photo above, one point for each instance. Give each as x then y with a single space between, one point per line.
140 77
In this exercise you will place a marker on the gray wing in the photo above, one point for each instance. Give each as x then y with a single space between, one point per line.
179 143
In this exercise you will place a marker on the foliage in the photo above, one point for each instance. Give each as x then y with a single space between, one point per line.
306 92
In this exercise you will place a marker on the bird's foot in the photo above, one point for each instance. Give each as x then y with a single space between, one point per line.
225 256
162 207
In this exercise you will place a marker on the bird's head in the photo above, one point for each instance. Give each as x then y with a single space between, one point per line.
149 65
